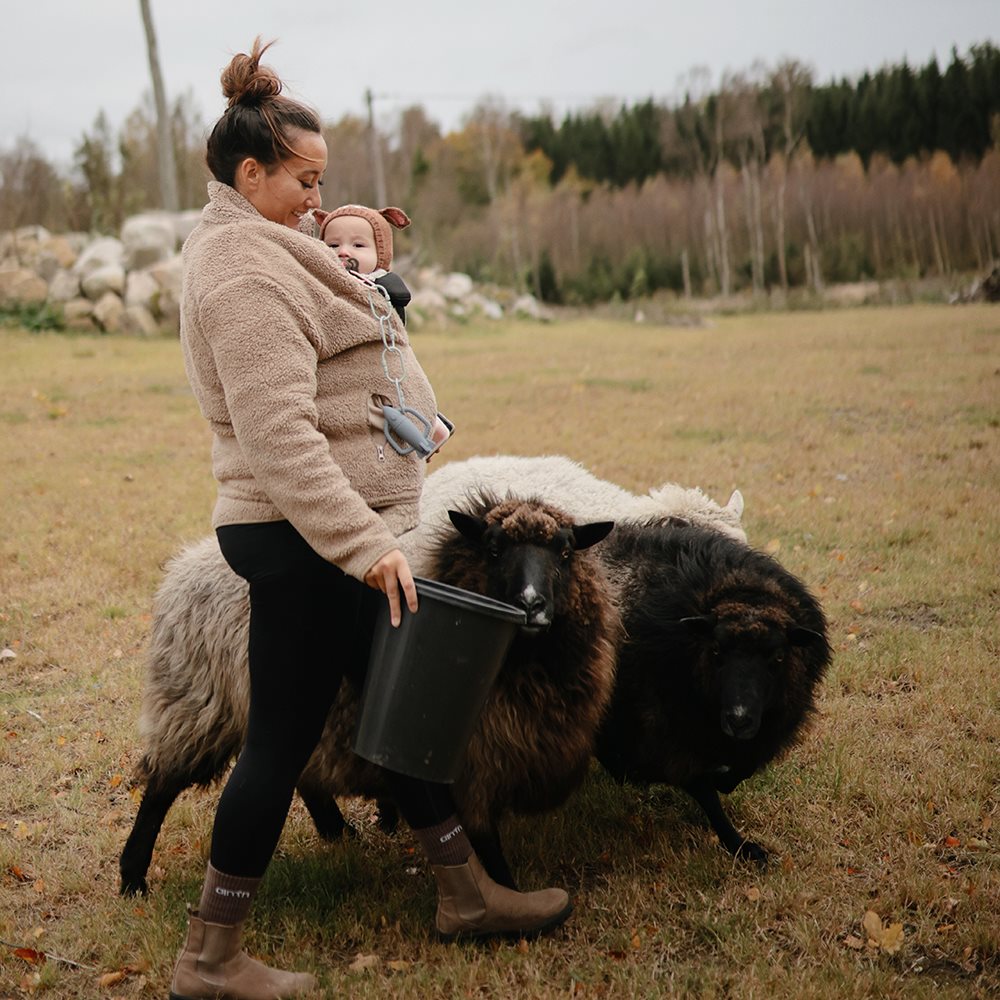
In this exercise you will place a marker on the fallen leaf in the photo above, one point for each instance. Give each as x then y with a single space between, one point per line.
30 955
400 965
753 894
892 939
854 942
362 963
636 941
522 946
950 841
977 843
111 979
886 938
872 924
116 780
7 654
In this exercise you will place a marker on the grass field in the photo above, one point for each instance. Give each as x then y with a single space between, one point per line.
867 447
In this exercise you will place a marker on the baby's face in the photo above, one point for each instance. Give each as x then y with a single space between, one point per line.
352 236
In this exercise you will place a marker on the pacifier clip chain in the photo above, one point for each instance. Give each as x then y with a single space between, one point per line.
406 430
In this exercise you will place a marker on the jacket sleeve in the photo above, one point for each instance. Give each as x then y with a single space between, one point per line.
267 367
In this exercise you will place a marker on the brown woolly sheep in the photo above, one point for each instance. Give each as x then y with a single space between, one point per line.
722 653
534 739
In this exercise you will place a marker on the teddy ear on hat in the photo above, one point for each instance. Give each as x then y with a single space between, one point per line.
396 216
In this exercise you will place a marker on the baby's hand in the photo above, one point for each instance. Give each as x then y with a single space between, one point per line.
440 433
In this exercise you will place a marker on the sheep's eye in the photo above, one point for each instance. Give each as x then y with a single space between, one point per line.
494 551
566 553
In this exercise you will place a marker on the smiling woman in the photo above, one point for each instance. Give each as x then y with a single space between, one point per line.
283 348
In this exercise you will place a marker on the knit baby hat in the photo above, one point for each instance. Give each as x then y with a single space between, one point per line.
380 222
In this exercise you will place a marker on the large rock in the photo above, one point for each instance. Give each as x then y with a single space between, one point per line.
184 222
63 286
20 285
141 289
139 320
109 311
527 306
54 254
456 286
101 252
101 280
147 239
78 314
168 275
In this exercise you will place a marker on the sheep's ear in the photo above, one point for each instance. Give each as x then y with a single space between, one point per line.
585 535
468 525
699 625
798 635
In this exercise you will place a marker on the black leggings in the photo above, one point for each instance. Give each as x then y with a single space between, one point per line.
310 624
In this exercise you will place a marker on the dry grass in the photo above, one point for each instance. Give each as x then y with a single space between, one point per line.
867 446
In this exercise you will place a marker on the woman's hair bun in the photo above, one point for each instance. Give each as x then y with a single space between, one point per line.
245 81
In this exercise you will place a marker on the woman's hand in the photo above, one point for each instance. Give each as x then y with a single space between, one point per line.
390 573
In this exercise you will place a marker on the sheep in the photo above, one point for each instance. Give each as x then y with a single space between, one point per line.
534 740
570 486
717 672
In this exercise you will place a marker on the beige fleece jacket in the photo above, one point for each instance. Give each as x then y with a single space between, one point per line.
284 356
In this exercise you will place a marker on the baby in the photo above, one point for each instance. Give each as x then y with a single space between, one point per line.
362 238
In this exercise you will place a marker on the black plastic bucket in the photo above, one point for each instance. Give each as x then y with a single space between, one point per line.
428 679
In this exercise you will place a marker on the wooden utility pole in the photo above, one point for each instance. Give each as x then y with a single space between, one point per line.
378 173
164 134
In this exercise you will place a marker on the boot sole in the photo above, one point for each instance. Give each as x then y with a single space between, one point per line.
512 935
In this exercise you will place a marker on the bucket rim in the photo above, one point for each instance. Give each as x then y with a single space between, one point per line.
468 600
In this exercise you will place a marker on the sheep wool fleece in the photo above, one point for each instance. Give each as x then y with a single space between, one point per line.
284 354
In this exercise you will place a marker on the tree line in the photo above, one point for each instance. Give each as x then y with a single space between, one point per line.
762 180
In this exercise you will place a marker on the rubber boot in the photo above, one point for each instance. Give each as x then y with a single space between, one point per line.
212 965
472 905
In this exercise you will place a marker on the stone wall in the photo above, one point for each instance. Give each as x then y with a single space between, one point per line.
131 283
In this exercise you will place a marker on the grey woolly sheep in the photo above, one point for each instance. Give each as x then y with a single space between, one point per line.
570 486
722 654
529 750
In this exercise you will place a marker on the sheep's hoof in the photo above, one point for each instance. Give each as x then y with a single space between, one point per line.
133 887
333 835
388 817
749 851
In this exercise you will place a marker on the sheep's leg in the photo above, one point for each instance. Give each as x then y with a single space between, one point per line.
708 798
137 853
388 815
326 815
486 844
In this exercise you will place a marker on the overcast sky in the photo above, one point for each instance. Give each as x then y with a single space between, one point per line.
63 61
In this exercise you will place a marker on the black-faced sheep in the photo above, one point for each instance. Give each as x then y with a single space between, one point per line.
535 736
722 653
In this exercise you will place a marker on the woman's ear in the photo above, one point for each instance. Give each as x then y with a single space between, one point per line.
248 174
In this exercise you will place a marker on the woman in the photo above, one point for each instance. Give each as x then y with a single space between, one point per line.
284 355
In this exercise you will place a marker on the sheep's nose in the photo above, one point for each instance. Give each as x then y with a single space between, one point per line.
535 607
739 722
